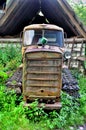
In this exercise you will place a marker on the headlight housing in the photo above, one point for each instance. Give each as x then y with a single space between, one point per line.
67 55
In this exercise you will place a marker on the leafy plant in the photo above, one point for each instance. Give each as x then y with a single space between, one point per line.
34 112
12 116
3 76
72 111
80 9
10 57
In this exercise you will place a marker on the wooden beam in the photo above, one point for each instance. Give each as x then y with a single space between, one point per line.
9 40
77 40
17 40
81 31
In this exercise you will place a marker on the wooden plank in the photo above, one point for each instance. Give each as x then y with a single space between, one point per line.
9 40
17 40
77 40
81 58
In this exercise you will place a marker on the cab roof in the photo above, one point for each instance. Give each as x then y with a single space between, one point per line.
43 26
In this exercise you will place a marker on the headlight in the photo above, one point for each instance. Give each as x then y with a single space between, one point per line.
67 55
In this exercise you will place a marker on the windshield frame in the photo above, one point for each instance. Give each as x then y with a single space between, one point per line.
43 30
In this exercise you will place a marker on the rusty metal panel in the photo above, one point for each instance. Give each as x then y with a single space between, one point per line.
42 75
43 26
42 55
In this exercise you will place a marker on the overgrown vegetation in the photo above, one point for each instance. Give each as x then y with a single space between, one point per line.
79 8
10 57
15 116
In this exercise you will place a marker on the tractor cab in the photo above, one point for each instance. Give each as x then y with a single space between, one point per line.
42 64
43 36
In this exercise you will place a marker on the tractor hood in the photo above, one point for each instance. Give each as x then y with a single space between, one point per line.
46 48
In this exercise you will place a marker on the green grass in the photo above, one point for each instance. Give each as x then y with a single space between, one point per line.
15 116
12 116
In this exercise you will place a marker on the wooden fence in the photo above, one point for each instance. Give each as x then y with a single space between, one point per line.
77 47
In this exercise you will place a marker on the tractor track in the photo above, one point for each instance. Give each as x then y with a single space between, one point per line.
69 83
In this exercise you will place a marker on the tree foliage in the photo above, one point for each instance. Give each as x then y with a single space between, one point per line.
80 9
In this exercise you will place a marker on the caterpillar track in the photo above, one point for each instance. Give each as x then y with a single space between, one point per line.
69 83
15 82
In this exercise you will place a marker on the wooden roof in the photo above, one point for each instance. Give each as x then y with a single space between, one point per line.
56 12
59 12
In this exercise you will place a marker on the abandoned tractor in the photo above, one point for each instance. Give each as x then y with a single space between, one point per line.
43 75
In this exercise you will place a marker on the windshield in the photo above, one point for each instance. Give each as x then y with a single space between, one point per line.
32 37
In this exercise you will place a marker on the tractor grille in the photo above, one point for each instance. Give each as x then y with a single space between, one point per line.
42 75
